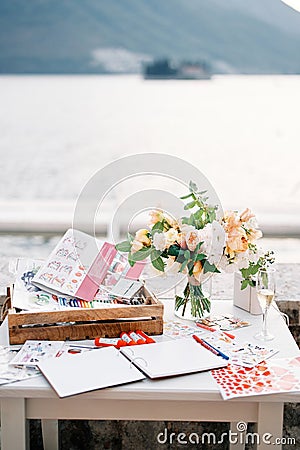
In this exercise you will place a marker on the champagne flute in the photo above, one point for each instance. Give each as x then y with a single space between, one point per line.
265 289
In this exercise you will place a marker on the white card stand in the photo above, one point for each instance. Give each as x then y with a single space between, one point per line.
245 299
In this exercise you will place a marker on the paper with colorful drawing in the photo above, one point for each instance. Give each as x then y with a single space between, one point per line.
27 296
83 267
32 352
11 374
245 354
224 322
77 266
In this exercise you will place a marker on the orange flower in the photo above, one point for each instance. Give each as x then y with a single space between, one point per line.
197 269
237 242
142 236
232 221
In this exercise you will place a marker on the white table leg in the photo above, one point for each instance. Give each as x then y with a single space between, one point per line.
14 427
50 434
269 426
238 437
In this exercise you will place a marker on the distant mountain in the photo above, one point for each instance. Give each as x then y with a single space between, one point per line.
104 36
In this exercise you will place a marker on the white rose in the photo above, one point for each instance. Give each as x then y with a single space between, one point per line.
205 236
242 261
159 241
171 236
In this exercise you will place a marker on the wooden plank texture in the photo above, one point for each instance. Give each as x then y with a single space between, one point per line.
86 323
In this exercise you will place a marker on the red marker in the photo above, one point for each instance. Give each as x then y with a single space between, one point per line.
205 327
137 339
148 339
209 347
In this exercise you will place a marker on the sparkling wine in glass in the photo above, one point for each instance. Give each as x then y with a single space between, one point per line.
265 289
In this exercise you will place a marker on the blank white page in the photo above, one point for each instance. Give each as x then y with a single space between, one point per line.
89 371
176 357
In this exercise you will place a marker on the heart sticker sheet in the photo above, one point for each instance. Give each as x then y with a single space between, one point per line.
272 377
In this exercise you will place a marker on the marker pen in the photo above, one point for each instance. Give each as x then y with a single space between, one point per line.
124 336
110 342
137 339
206 327
148 339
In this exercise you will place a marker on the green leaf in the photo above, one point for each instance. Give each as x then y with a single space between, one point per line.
174 250
207 267
200 257
245 273
186 196
198 246
158 227
187 254
124 246
190 268
254 269
244 284
141 254
130 260
130 238
193 187
252 283
183 265
190 205
157 261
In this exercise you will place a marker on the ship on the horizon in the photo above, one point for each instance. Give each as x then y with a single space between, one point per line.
164 69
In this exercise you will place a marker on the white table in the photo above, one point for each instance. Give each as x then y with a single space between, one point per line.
186 398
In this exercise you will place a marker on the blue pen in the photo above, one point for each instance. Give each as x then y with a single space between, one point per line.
216 349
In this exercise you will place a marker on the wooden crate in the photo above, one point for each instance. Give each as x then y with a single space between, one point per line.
80 324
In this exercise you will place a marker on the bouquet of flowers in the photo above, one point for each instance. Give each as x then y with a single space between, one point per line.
199 246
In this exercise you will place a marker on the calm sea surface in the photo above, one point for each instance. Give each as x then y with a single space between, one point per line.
242 132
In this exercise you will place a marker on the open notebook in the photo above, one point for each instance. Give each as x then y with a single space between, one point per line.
169 358
88 371
108 367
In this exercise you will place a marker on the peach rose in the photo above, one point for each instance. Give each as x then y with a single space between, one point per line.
142 236
237 242
192 239
232 221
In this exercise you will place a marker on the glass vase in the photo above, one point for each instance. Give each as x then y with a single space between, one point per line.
195 302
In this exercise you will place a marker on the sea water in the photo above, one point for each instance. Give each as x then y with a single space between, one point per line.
240 131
